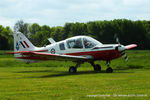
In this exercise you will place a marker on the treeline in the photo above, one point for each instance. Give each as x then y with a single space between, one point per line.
128 32
6 39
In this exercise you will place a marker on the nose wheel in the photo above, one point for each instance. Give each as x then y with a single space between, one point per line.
109 69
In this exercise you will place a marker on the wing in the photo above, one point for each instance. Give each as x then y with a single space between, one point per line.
47 56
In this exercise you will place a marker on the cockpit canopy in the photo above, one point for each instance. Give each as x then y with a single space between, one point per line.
82 42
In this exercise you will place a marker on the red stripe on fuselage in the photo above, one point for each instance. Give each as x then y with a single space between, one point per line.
99 55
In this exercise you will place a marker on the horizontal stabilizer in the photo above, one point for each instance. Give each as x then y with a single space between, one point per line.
26 52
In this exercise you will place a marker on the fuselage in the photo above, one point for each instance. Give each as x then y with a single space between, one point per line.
84 46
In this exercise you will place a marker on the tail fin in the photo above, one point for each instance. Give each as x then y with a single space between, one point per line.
21 43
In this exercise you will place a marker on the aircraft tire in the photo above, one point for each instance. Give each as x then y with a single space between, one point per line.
109 70
97 67
72 69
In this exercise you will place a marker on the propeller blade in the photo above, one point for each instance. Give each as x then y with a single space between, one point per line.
117 39
130 46
126 57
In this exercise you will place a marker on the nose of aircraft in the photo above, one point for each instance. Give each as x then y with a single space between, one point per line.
120 48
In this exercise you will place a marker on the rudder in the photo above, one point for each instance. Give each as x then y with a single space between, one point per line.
21 43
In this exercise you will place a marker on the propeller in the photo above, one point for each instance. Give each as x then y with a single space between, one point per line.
126 48
122 48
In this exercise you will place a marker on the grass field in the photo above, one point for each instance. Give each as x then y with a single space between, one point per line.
51 80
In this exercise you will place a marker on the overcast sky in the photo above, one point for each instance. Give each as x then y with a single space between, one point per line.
58 12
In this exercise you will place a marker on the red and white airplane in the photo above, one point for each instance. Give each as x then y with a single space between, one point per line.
78 49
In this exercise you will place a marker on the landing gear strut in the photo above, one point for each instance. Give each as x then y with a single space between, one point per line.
96 67
73 69
109 69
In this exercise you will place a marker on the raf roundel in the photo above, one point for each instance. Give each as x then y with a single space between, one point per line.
17 46
52 51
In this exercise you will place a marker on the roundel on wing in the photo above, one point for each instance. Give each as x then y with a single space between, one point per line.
52 51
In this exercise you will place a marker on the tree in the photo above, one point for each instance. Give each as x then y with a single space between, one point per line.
34 28
66 30
6 39
57 33
22 27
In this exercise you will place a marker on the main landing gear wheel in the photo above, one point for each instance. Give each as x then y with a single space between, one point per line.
72 69
109 70
97 68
